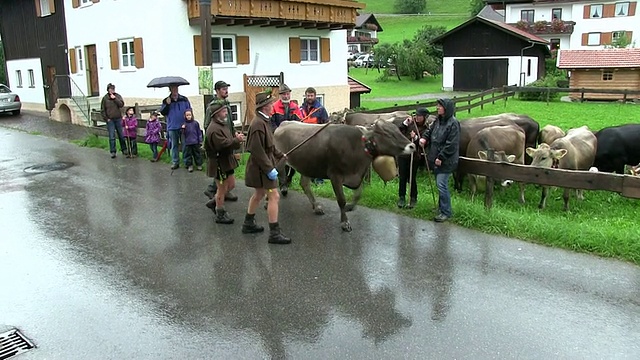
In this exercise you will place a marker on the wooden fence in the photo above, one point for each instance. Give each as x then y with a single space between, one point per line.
462 103
625 185
552 90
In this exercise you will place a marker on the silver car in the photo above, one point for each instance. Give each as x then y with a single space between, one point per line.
9 101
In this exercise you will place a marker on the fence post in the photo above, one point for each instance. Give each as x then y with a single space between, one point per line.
469 104
488 191
582 95
624 98
481 103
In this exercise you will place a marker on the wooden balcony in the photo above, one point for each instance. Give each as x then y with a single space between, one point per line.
327 14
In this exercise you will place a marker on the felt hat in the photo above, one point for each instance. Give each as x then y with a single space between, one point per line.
283 89
422 112
216 107
263 99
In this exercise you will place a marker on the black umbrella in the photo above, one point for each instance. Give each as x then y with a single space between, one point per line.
166 81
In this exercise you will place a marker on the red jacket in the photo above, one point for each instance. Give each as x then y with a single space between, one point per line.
278 114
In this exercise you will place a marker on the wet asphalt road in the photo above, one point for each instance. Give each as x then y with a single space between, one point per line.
117 259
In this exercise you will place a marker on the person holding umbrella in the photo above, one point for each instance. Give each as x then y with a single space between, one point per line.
173 108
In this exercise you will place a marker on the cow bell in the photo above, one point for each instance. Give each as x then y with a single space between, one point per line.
385 166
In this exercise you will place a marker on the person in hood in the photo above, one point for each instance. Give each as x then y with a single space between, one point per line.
442 143
152 134
173 108
130 124
192 142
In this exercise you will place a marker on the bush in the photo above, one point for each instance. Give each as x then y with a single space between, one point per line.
410 6
548 81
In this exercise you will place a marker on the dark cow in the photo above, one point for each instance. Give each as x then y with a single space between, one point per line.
617 146
470 127
574 151
341 153
508 143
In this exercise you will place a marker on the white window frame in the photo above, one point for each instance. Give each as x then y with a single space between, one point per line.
599 8
130 55
320 98
594 43
80 60
85 3
45 10
19 78
238 112
623 6
308 40
32 78
220 39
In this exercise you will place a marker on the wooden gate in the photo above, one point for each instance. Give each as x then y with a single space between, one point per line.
254 84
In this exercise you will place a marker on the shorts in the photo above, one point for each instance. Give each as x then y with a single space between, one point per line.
223 175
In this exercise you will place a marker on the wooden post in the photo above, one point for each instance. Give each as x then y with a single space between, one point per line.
624 98
582 95
469 105
488 191
481 103
205 31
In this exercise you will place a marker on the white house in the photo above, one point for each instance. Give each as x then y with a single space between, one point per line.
128 43
574 24
364 35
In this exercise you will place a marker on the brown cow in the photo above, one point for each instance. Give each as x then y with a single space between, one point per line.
549 133
471 126
341 153
508 143
365 119
574 151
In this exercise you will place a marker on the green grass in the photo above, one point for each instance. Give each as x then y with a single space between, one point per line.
392 87
604 223
433 6
398 28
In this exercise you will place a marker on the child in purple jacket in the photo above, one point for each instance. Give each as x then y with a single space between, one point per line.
192 141
152 135
130 125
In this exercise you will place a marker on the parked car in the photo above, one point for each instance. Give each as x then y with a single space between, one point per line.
9 101
365 60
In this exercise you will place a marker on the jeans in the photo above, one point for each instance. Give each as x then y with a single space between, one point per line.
404 166
131 141
154 149
444 200
192 154
113 126
175 136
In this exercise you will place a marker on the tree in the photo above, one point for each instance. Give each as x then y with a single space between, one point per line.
410 6
621 42
475 6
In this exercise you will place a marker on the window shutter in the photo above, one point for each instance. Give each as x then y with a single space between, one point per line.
75 3
585 39
606 38
138 51
243 54
609 10
115 55
72 60
632 8
38 11
294 50
52 6
197 50
629 35
325 49
587 12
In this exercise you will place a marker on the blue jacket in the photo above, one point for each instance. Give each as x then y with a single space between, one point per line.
192 133
174 112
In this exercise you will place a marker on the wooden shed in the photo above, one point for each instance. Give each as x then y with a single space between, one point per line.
355 89
602 69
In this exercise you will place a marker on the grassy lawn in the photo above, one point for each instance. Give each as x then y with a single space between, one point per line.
398 28
392 87
604 223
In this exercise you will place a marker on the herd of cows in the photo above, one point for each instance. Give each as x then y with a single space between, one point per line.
344 150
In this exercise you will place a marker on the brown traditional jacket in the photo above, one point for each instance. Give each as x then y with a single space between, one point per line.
263 154
219 147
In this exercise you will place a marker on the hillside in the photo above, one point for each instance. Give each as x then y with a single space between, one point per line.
435 7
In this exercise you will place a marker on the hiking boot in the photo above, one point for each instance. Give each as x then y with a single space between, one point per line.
174 166
412 203
401 202
230 197
276 236
210 192
284 189
249 226
190 168
113 155
222 217
211 204
199 168
153 160
441 218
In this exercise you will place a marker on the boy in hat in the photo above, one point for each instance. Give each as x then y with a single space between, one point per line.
408 164
285 110
221 161
261 173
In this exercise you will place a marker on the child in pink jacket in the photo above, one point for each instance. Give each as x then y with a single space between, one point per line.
130 125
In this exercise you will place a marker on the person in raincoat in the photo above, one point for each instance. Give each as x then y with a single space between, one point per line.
130 125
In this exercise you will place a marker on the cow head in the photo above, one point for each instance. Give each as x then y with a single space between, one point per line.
337 117
499 155
387 139
545 156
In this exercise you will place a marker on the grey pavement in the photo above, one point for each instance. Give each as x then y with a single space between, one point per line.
119 259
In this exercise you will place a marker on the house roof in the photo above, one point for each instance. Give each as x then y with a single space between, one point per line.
498 25
605 58
362 19
489 13
357 87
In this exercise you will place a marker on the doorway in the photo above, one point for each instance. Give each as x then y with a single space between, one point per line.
92 70
51 88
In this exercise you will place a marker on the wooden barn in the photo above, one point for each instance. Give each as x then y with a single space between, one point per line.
602 69
355 89
481 53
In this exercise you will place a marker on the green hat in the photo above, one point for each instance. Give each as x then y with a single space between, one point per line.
216 107
264 98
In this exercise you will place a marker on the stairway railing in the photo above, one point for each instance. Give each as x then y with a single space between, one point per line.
77 96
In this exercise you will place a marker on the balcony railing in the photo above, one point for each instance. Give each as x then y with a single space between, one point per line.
546 27
318 11
361 40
